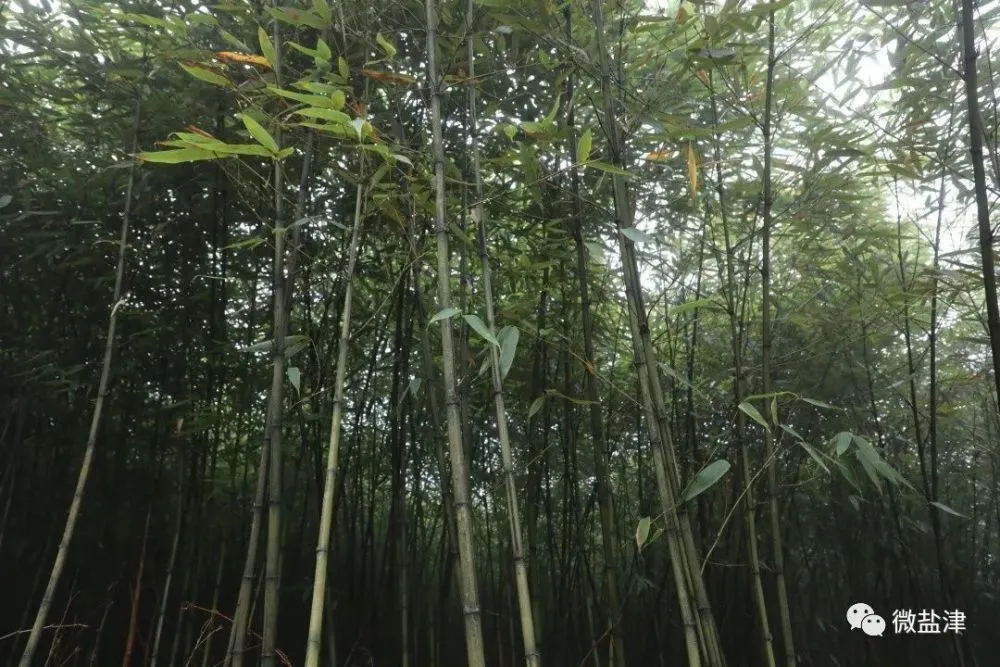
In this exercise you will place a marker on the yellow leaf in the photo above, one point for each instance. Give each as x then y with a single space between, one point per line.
660 156
692 171
243 58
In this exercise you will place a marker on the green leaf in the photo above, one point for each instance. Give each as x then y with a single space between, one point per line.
305 98
642 531
445 314
241 149
176 156
536 405
265 45
207 75
251 242
810 450
218 147
694 304
583 146
869 456
869 468
295 377
481 329
595 250
312 53
706 479
636 236
297 17
234 41
755 415
258 132
846 474
948 510
842 441
508 337
610 168
342 67
550 118
324 50
386 45
332 115
322 9
819 404
293 344
338 130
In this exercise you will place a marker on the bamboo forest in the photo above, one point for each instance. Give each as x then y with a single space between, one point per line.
497 333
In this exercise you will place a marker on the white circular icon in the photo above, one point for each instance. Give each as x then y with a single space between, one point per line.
857 613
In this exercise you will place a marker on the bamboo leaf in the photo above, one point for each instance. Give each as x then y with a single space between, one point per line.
810 450
332 115
322 9
207 75
324 51
819 404
305 98
265 46
583 146
636 236
508 346
445 314
176 156
536 405
387 46
642 531
842 441
243 58
706 479
755 415
297 17
595 250
258 132
295 377
694 304
948 510
481 329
